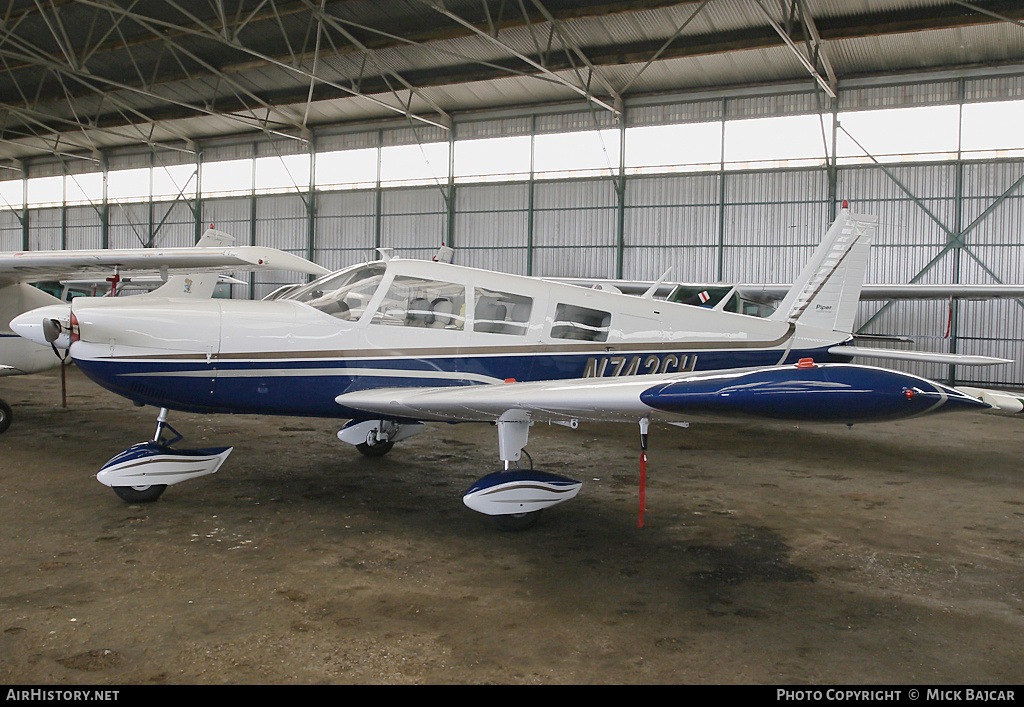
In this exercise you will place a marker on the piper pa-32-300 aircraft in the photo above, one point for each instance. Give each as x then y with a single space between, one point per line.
186 272
392 344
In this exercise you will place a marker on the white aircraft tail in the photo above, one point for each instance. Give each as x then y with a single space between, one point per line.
197 284
827 292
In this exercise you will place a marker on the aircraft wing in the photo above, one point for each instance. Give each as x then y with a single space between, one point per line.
40 266
809 392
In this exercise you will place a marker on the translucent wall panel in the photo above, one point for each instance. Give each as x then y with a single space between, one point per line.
11 194
347 169
669 148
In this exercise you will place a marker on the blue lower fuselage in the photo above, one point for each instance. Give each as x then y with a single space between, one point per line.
308 387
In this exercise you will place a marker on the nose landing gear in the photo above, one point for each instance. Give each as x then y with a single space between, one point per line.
141 473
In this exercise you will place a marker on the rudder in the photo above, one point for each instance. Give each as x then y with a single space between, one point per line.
827 292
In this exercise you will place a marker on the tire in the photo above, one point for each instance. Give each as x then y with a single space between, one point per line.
376 450
516 522
140 494
5 416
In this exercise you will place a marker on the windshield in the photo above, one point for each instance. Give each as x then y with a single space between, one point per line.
344 294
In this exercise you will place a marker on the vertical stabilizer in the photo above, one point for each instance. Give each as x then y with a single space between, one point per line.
827 292
199 284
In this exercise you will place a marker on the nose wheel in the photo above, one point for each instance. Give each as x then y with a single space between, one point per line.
139 494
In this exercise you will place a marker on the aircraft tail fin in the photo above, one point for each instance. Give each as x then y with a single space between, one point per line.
827 292
202 284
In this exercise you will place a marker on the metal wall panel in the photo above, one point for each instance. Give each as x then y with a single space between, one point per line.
84 229
347 140
44 229
129 225
674 113
772 221
492 226
998 88
498 127
903 95
992 329
414 222
578 120
575 231
916 209
281 222
10 230
346 226
771 105
174 225
233 216
671 222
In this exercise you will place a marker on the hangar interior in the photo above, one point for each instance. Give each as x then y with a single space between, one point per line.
581 139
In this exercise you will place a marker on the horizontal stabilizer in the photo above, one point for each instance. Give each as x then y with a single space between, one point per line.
919 356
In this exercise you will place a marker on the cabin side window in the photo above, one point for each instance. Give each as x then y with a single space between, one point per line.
497 312
429 304
580 323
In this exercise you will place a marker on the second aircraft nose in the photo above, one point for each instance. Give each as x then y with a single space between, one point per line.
46 325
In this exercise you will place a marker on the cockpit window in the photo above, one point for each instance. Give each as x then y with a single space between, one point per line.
416 302
344 294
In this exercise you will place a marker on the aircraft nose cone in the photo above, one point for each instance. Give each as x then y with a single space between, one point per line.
45 325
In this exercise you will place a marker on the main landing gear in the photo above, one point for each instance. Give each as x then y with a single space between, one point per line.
515 497
141 473
375 438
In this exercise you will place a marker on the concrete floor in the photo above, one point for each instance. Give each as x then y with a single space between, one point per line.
770 554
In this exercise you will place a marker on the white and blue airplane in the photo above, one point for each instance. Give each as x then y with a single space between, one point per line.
180 272
393 344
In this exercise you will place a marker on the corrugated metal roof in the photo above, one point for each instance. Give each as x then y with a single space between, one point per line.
94 74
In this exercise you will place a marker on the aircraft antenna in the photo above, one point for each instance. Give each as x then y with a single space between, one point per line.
657 283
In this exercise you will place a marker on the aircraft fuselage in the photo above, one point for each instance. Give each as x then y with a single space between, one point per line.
409 323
